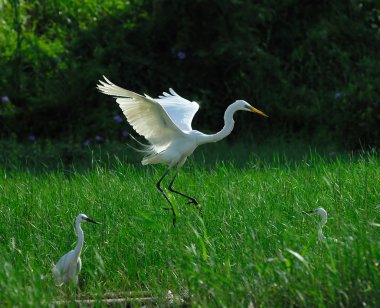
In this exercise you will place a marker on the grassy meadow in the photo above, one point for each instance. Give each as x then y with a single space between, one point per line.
250 243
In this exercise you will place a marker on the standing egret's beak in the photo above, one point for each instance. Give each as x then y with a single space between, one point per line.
308 212
253 109
93 221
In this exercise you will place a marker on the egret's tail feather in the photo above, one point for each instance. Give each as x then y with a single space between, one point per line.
57 276
133 148
151 159
139 142
147 149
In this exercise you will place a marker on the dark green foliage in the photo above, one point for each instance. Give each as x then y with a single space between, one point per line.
314 67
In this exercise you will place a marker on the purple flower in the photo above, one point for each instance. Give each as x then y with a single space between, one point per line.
337 95
32 138
98 138
87 142
181 55
124 133
5 99
118 119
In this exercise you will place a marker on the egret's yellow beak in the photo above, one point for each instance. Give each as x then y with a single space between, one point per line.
253 109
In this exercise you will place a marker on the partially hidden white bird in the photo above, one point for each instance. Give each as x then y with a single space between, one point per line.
322 212
166 123
69 266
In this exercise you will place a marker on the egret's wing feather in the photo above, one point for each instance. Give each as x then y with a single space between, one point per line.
180 110
62 268
62 264
77 270
146 115
57 275
79 265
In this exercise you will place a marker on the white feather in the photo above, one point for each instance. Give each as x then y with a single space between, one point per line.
67 268
160 120
180 110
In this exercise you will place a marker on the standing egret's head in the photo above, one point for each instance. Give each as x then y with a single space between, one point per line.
83 218
243 105
320 211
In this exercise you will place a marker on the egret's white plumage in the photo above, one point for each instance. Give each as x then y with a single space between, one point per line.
321 212
166 123
69 265
180 110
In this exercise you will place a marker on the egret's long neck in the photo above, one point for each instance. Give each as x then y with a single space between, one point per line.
78 247
323 222
227 128
321 237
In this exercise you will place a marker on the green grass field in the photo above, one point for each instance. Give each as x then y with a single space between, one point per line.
251 244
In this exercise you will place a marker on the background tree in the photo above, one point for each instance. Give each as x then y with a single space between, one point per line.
314 67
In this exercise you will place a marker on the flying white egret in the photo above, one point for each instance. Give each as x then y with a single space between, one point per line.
69 266
322 212
166 123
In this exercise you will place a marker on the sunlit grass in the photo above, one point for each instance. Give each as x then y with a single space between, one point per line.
250 244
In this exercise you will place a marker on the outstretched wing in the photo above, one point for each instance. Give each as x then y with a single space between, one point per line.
180 110
145 114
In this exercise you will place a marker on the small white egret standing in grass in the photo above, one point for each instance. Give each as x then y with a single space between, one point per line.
69 266
166 123
322 212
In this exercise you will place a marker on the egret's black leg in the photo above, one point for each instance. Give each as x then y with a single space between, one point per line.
192 200
158 185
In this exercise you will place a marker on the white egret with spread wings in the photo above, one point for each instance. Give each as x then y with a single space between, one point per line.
166 123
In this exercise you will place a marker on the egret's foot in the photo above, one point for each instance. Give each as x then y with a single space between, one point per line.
193 201
174 220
